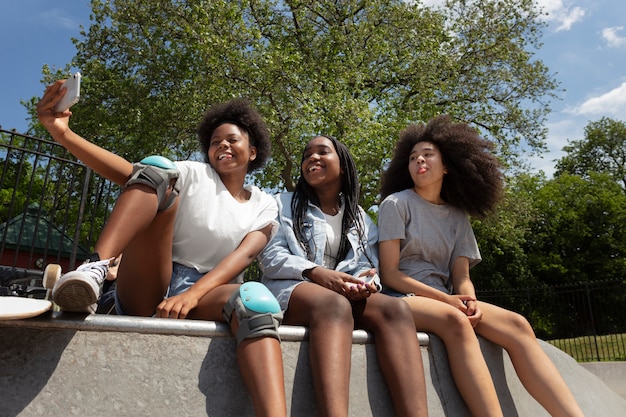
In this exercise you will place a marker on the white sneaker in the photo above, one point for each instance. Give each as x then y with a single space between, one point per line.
79 290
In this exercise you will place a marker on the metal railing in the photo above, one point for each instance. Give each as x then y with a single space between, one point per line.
586 319
52 209
51 206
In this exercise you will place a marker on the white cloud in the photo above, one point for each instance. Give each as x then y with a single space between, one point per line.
612 103
564 16
612 38
428 3
57 18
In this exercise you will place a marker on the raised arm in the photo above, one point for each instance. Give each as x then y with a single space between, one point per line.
105 163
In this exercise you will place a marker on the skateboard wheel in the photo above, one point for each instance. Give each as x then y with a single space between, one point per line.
51 275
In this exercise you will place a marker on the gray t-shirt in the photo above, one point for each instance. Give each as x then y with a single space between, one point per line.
431 237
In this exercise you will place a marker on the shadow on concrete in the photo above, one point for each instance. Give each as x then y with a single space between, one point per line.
301 385
103 366
444 387
498 374
221 387
378 393
25 373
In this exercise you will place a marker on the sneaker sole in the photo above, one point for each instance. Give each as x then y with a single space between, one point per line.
75 296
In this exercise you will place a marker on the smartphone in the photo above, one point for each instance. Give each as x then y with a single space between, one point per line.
371 279
72 94
375 281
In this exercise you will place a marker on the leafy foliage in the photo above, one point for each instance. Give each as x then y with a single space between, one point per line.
602 150
359 70
502 238
579 234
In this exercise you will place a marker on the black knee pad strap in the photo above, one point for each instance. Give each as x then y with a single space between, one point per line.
158 177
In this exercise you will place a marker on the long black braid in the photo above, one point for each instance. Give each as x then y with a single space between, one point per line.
350 188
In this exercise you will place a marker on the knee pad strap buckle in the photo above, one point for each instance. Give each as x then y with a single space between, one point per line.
257 311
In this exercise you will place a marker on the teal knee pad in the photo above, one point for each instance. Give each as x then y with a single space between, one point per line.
156 172
256 309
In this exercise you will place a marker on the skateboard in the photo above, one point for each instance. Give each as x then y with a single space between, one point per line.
13 308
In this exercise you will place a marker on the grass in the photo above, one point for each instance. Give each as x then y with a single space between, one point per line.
594 348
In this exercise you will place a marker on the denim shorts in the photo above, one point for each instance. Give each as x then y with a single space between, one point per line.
392 292
183 277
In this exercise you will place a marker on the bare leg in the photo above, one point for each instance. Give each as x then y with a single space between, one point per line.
329 318
467 364
534 368
260 359
145 236
397 349
260 363
134 211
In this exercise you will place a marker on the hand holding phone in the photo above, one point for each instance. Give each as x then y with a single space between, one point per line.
72 93
370 279
374 280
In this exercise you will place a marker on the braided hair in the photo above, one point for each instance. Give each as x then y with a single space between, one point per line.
349 194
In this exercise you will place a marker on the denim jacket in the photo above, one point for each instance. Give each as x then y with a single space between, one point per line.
284 258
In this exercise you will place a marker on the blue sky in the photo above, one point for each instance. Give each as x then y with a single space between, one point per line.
584 46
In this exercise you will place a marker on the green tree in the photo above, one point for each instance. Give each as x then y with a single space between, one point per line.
357 69
579 234
502 238
602 150
21 178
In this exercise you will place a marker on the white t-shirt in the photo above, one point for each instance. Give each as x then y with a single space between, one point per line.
333 239
431 236
210 223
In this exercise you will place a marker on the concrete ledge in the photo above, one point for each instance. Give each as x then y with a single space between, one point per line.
612 374
61 364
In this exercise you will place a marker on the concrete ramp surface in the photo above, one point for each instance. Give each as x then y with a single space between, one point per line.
61 365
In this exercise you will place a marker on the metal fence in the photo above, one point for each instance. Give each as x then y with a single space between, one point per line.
52 209
586 320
